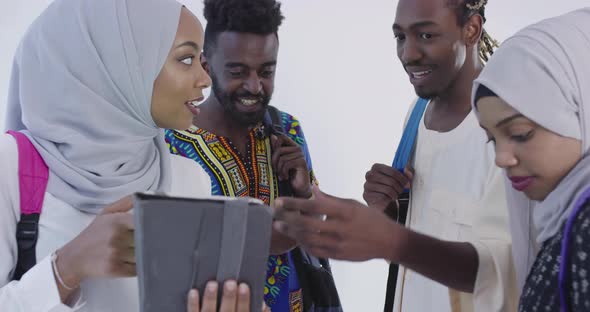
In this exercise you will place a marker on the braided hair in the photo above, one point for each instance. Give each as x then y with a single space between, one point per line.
465 10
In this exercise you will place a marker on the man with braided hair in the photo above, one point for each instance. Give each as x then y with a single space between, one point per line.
455 250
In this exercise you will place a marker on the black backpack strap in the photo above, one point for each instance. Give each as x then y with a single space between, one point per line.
274 126
27 231
316 281
402 213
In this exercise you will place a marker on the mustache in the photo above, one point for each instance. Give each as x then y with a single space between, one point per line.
417 64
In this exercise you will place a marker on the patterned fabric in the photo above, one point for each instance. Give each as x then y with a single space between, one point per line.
541 291
236 175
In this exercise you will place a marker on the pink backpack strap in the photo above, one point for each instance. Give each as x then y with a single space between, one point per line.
32 173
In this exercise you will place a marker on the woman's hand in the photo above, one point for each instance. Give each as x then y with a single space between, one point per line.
234 299
105 248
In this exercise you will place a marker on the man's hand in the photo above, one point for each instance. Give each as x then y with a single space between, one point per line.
289 164
384 184
349 231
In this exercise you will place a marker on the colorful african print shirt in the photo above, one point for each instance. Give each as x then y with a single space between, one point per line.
236 175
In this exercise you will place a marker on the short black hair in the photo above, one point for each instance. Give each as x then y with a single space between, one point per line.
248 16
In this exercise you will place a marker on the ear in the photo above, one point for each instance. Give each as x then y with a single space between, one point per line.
472 30
205 64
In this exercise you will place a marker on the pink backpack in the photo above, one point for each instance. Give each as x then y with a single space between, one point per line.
32 175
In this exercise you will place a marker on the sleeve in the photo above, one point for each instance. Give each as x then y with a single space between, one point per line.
294 131
37 290
495 285
579 290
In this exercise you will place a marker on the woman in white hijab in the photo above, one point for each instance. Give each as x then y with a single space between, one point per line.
93 83
533 100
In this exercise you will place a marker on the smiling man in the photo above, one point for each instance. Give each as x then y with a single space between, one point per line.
455 251
231 141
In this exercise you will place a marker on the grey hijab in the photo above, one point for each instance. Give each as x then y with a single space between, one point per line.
81 90
544 73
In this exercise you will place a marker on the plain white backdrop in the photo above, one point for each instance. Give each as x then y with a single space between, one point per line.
339 74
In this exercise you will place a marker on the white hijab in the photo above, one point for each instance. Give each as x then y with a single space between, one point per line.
544 73
81 89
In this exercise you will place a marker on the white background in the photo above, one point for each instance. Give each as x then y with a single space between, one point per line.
339 74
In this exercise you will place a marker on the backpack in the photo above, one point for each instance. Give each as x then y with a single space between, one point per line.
32 175
315 274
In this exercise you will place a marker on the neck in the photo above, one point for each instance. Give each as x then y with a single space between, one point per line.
457 98
215 119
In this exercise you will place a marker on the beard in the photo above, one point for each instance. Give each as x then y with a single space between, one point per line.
229 102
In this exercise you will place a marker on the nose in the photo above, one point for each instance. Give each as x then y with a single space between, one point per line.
202 81
409 51
253 83
505 157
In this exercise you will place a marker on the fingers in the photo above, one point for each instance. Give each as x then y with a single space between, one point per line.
192 302
287 162
210 297
282 140
265 308
126 270
285 150
304 229
233 299
409 172
244 298
385 170
391 192
391 177
229 297
123 205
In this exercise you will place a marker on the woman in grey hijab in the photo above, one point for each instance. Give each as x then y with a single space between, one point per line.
533 100
92 86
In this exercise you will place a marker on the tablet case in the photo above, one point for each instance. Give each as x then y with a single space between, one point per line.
183 243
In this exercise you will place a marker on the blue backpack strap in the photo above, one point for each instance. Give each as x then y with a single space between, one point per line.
403 155
33 175
406 145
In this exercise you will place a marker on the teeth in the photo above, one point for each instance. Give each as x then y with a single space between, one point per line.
193 103
248 102
421 74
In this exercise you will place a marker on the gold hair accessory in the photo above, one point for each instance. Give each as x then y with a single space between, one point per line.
477 6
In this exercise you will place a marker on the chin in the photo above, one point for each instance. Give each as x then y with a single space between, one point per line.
425 93
536 195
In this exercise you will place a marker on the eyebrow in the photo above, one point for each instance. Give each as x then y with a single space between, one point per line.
509 119
190 44
237 64
415 25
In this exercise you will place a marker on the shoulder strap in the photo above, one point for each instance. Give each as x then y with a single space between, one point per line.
272 121
33 175
275 118
406 145
403 155
566 241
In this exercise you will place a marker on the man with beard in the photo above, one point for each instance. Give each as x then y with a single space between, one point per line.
230 139
455 253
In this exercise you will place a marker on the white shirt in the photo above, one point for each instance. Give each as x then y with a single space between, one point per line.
458 195
59 223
